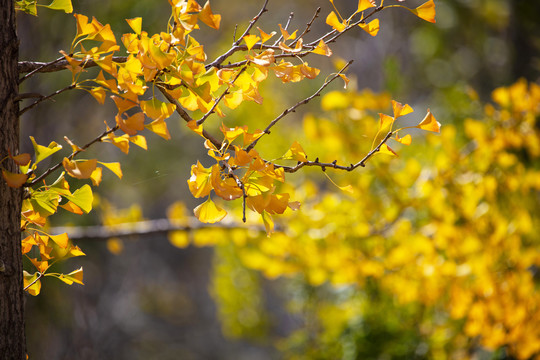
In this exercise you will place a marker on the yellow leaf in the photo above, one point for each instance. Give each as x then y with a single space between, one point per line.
207 17
345 80
28 279
296 152
114 167
264 36
365 4
385 149
334 22
429 123
200 183
371 28
96 176
208 212
14 180
61 240
139 140
406 140
251 40
71 207
425 11
64 5
180 239
135 24
400 109
159 127
268 223
322 49
157 109
286 35
80 169
386 121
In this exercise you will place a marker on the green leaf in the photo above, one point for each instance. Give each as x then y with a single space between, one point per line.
27 6
64 5
43 152
45 202
83 198
73 277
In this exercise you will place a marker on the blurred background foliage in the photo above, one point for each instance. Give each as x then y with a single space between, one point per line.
433 256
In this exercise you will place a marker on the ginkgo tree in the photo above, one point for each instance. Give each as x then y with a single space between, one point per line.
150 77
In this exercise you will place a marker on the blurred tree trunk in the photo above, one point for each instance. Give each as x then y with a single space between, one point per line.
12 337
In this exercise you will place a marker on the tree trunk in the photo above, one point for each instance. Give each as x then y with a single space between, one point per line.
12 337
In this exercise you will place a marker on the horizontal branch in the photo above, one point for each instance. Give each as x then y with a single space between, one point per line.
43 98
140 228
57 65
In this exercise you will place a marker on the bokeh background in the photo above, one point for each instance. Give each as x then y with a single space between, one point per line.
144 297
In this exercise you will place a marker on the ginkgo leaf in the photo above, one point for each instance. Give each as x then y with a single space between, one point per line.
286 35
400 109
425 11
334 22
200 183
296 152
322 49
43 152
207 17
264 36
385 149
365 4
406 140
268 223
157 109
73 277
139 140
82 197
71 207
96 176
31 283
159 127
208 212
345 80
61 240
64 5
81 169
346 188
372 28
385 121
114 167
429 123
21 159
14 180
135 24
251 40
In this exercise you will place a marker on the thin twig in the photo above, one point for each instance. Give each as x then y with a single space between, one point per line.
291 15
218 100
41 67
308 27
293 108
334 165
43 98
234 48
184 115
73 154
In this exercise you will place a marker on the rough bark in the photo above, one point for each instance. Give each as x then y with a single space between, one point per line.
12 337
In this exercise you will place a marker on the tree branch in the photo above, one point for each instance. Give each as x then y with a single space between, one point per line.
293 108
43 98
73 154
57 65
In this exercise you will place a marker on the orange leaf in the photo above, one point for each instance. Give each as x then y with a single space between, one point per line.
264 36
385 121
406 140
71 207
79 169
371 28
200 183
21 159
429 123
425 11
208 212
14 180
207 17
96 176
135 24
159 127
286 35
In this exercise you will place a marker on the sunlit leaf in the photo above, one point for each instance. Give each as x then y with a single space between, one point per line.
207 17
385 149
209 212
28 279
406 140
200 183
157 109
43 152
159 127
400 109
322 49
334 22
251 40
64 5
264 36
429 123
372 28
61 240
83 198
365 4
135 24
81 169
286 35
425 11
114 167
96 176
